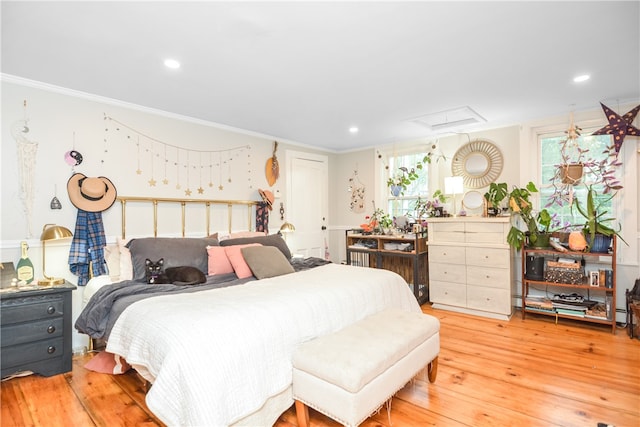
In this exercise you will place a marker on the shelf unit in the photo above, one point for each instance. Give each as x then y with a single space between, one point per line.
593 262
411 265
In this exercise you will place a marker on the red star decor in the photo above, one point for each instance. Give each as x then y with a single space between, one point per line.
619 126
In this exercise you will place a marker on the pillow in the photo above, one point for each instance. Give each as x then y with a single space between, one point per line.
126 266
240 267
176 251
266 261
112 258
270 240
218 261
224 235
108 363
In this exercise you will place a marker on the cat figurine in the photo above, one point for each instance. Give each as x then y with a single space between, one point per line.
155 273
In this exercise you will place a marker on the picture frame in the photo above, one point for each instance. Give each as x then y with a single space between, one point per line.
594 278
7 274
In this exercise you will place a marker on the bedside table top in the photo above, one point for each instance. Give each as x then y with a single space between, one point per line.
36 289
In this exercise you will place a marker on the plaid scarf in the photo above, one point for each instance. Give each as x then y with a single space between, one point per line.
86 255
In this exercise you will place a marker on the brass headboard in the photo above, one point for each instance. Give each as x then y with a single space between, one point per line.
154 201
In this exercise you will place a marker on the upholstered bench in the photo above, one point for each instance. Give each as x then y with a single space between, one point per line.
349 374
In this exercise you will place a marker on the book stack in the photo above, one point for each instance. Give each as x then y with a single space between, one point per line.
572 305
539 304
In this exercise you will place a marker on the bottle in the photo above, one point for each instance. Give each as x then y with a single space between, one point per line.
25 266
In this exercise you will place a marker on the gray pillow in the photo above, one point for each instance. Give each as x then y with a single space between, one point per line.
266 261
270 240
176 251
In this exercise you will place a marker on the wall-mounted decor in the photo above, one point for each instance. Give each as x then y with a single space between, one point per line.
478 162
357 190
180 165
27 150
619 126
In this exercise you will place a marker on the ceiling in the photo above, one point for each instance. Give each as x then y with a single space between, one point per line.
305 72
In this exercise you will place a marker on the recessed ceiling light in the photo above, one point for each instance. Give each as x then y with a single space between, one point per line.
581 78
353 129
171 63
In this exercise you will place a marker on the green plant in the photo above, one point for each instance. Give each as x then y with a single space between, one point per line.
537 224
497 192
403 178
425 207
594 215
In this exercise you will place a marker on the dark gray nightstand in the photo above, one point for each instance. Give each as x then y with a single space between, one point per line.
36 330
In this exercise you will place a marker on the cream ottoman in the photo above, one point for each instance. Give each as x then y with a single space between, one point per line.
349 374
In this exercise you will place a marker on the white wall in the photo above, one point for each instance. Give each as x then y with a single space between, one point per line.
54 115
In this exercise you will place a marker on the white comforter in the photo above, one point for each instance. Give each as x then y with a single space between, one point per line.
215 356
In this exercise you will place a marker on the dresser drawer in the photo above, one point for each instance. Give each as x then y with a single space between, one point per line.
489 299
446 254
444 272
33 308
487 233
21 354
488 257
492 277
19 333
447 293
446 232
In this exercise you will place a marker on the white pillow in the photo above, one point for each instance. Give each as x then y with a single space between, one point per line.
126 266
92 287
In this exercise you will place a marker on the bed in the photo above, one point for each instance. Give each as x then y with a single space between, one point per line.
219 353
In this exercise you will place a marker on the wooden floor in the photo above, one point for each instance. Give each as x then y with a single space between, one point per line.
490 373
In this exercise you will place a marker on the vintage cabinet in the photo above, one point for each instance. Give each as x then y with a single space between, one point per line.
36 330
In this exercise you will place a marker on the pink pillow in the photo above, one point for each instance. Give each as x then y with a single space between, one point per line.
108 363
218 261
240 266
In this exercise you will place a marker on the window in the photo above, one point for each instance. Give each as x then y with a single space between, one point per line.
550 158
405 204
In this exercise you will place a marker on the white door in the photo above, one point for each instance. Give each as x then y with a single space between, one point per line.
307 203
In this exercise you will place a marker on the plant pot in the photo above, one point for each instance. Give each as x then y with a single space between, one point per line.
571 173
493 211
601 243
541 240
396 190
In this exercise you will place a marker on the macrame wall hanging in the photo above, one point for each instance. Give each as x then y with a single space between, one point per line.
27 151
179 166
357 190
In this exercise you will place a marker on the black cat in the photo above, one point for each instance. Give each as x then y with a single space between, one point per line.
156 274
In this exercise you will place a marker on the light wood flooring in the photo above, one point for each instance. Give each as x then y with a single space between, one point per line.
490 373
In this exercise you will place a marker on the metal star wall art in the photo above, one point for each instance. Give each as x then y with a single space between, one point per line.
619 126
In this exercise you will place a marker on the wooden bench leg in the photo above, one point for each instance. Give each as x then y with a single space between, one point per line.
432 370
302 413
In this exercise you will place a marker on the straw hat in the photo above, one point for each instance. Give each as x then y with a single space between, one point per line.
267 196
91 194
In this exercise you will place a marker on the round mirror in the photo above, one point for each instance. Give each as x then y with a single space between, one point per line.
478 162
473 200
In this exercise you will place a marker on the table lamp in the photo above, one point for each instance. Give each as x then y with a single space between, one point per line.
285 229
453 185
51 232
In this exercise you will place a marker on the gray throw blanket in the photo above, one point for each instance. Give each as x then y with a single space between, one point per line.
105 306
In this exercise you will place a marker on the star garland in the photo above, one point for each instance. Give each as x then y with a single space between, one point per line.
193 162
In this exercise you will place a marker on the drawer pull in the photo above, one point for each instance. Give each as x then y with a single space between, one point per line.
51 309
51 329
51 349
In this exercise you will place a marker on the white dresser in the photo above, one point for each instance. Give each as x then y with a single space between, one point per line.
470 266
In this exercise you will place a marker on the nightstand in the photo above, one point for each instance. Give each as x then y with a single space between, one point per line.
36 330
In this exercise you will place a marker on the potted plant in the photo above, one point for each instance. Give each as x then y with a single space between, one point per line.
399 182
426 208
494 196
596 229
537 224
404 176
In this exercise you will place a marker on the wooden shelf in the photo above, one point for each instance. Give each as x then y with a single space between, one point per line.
411 265
608 293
